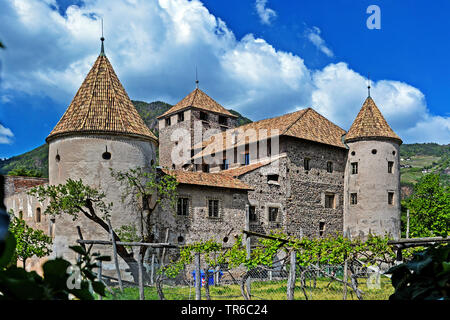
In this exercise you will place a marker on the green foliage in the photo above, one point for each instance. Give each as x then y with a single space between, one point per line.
330 250
24 172
429 208
35 160
426 149
425 277
29 242
72 198
59 281
149 186
128 234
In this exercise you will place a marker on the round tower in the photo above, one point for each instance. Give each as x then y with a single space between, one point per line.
101 129
372 175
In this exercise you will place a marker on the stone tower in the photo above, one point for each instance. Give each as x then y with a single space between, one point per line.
372 175
101 129
194 113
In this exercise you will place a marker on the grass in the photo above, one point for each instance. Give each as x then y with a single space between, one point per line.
264 290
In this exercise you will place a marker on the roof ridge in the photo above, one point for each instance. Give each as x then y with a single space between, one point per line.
295 121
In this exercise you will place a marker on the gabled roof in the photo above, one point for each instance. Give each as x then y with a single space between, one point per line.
305 124
200 100
102 105
369 124
207 179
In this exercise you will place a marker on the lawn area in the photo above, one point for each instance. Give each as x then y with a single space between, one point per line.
264 290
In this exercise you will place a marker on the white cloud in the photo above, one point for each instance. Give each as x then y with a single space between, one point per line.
6 135
156 49
313 35
266 15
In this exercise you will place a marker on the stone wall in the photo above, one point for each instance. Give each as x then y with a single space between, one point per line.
197 225
306 203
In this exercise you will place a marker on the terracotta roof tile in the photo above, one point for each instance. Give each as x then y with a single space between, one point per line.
102 105
304 124
200 100
207 179
370 123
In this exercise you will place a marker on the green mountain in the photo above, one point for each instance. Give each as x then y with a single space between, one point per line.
37 159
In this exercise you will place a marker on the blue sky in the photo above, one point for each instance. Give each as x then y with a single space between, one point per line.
262 58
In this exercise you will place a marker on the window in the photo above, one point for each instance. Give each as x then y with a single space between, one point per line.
354 167
374 151
329 201
252 213
213 208
167 122
353 198
329 166
390 166
183 207
20 214
38 215
181 117
247 158
390 198
353 153
321 228
272 178
58 158
203 116
223 120
225 164
273 214
306 164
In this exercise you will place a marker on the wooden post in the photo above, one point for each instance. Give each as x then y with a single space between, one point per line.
152 270
399 255
346 235
141 278
99 275
407 223
116 261
248 246
291 279
198 277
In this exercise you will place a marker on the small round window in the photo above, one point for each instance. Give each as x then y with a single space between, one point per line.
374 151
106 155
393 153
225 239
180 239
353 153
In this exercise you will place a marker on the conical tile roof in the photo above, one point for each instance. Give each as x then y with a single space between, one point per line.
200 100
102 105
370 124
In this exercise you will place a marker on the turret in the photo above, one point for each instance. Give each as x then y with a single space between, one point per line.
101 129
372 175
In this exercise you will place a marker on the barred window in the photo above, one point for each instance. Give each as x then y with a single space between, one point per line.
390 198
183 206
252 213
306 164
329 166
353 198
213 208
273 214
354 167
390 166
329 201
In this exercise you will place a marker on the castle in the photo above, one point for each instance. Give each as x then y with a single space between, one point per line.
299 172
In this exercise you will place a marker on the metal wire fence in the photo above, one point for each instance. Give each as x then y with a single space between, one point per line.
278 282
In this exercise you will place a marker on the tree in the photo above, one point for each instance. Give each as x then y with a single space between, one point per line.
74 198
24 172
429 208
29 242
